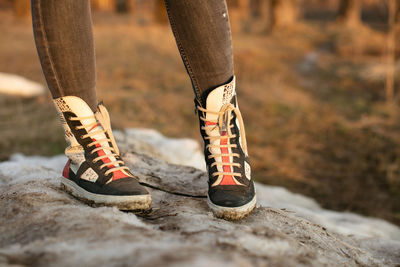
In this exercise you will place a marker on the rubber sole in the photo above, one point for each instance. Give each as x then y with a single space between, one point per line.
138 202
232 213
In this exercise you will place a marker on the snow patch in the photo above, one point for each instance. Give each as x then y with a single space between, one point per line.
12 84
180 151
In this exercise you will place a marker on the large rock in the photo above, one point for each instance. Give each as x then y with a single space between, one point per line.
41 225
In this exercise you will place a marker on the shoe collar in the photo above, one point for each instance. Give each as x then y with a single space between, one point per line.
215 98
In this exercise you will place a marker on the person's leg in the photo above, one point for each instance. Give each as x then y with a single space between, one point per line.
64 40
94 172
202 32
203 35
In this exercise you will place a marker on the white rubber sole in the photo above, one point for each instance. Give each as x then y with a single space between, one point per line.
139 202
232 213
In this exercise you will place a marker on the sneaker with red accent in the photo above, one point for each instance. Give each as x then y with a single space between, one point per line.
95 172
231 193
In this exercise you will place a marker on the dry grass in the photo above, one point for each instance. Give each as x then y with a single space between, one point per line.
317 126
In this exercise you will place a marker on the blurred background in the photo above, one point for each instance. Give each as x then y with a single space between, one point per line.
317 82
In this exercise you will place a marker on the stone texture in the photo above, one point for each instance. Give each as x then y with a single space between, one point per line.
43 226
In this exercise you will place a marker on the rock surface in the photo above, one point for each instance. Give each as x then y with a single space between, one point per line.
41 225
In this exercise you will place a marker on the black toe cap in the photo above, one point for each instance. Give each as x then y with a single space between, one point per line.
125 187
121 187
231 195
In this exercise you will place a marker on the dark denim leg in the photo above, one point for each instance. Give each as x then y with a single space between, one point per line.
64 40
202 33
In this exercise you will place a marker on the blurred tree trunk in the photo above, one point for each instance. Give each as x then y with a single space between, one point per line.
243 3
239 13
255 8
267 15
22 8
397 13
102 5
124 6
390 49
282 13
350 12
160 14
233 3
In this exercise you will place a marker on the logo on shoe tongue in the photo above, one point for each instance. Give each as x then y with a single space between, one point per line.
228 93
62 105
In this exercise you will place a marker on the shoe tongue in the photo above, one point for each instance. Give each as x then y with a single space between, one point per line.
218 97
79 107
97 127
73 104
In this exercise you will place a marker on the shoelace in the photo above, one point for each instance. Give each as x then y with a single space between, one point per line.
224 127
102 119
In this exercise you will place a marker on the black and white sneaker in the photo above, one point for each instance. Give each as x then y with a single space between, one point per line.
95 172
231 193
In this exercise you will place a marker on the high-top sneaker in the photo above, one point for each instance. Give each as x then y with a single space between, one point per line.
95 172
231 193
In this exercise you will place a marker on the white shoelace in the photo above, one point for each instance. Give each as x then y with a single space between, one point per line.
224 126
102 120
